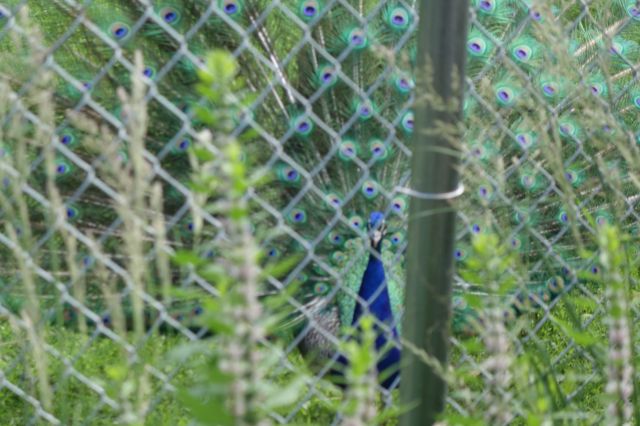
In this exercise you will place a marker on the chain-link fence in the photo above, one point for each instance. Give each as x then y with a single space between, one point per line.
551 116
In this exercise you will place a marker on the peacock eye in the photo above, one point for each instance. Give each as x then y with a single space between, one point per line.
334 200
348 150
357 38
505 95
370 189
335 238
170 15
477 46
184 144
522 53
190 226
66 139
321 288
298 216
524 140
72 212
119 30
62 169
475 228
149 72
303 126
309 9
230 7
399 18
486 5
549 89
407 122
272 252
527 181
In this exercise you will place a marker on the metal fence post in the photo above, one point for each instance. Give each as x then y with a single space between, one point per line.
441 44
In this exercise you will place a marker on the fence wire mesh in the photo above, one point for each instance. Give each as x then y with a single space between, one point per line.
549 156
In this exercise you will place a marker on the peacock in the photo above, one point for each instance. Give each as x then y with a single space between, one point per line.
331 125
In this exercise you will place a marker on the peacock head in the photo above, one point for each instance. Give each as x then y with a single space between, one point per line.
377 228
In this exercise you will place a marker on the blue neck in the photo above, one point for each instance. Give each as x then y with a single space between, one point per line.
374 292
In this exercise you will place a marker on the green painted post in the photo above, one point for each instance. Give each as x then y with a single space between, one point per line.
441 44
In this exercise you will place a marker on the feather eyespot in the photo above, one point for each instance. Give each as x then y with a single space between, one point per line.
525 140
396 238
327 75
399 18
487 6
407 122
535 15
602 220
62 168
484 192
563 217
303 125
370 189
516 243
230 7
356 222
403 83
459 254
335 238
477 46
567 129
338 257
298 216
184 144
549 89
309 9
348 150
149 72
398 205
505 95
273 252
321 288
119 30
528 181
633 10
170 15
522 53
378 150
72 213
365 110
357 38
333 200
67 139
